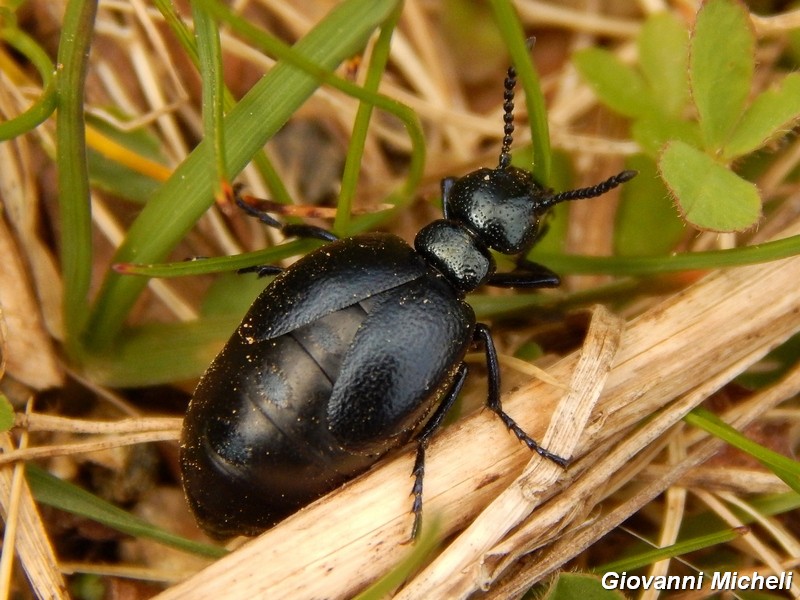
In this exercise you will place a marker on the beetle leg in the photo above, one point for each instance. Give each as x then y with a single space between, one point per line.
528 274
424 438
304 230
301 230
483 334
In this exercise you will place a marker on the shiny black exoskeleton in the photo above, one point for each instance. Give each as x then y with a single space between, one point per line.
357 349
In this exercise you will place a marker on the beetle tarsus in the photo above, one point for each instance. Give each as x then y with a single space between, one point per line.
423 439
416 490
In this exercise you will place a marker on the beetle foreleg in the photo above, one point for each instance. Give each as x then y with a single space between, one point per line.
424 438
483 334
528 274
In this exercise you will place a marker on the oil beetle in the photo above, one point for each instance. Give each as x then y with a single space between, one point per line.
359 348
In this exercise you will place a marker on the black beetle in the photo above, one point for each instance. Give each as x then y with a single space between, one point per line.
357 349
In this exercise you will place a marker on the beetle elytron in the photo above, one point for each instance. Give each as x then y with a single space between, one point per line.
359 348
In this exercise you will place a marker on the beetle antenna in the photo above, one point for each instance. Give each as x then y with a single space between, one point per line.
508 110
589 192
508 117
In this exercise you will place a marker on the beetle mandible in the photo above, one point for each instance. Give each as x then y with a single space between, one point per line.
358 348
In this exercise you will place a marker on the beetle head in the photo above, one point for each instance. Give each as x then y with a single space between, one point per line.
504 206
500 205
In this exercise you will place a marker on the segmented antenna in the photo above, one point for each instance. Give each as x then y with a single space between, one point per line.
589 192
508 117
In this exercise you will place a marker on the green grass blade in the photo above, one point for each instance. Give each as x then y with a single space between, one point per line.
355 151
210 60
164 353
178 28
6 413
277 189
219 264
73 175
784 467
34 116
44 106
569 585
173 210
707 521
633 266
687 261
421 550
52 491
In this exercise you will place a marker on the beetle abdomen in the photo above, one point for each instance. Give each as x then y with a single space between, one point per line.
255 445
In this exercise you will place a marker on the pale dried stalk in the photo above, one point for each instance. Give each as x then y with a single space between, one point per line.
32 544
675 506
164 573
334 548
41 422
724 478
96 445
545 13
12 506
776 24
125 432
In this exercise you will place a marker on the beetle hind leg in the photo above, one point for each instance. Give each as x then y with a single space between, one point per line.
423 439
483 335
301 230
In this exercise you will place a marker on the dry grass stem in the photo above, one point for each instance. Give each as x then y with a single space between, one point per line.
11 519
168 574
777 24
39 422
32 544
581 20
726 478
104 443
